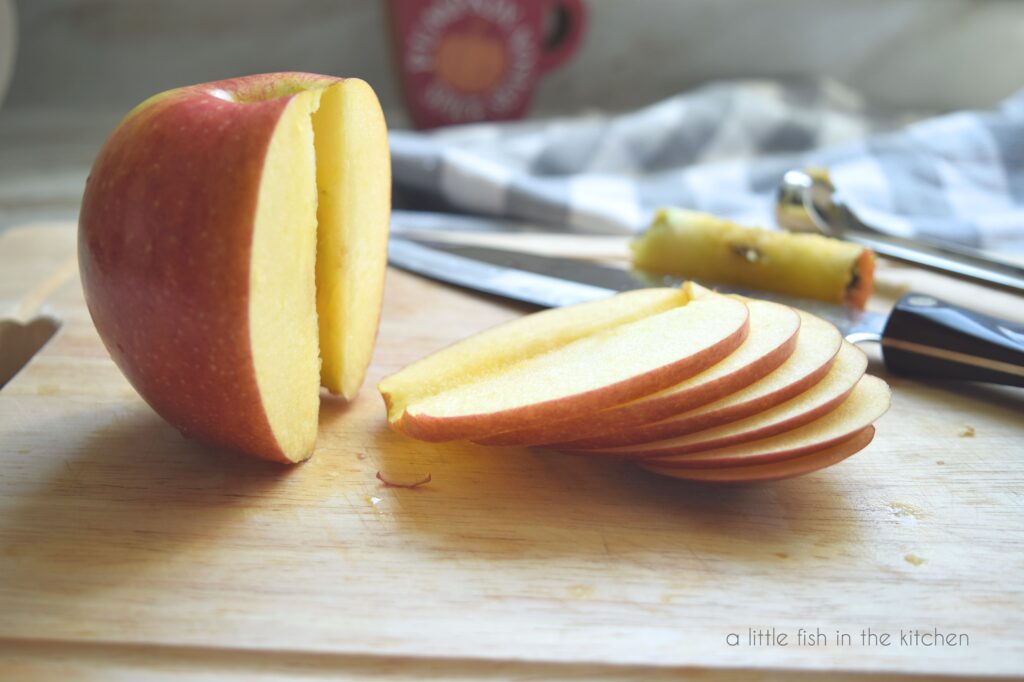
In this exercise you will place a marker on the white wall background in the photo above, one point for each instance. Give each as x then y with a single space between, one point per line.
82 63
928 54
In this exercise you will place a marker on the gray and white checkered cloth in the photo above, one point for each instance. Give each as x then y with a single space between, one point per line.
723 148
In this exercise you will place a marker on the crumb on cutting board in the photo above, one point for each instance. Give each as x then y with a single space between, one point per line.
914 559
905 512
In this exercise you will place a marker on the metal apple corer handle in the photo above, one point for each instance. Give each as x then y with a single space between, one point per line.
806 203
923 335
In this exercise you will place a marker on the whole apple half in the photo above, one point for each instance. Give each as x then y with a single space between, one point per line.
232 246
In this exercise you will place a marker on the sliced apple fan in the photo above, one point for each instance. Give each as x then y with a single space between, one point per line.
687 382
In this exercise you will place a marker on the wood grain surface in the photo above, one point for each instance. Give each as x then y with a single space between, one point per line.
129 552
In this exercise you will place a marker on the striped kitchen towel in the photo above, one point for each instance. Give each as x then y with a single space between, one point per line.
723 148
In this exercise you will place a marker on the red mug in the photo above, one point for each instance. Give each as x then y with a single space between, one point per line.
479 60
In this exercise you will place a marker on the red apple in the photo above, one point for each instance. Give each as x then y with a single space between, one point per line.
198 248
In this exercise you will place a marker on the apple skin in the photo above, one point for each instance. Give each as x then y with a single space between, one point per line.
731 314
867 402
712 415
477 426
773 471
165 234
656 407
818 401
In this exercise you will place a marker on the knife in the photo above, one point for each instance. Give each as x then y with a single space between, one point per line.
922 336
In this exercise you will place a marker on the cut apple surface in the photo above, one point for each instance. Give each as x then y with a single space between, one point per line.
771 340
282 285
773 471
815 402
354 189
817 345
199 237
868 401
610 366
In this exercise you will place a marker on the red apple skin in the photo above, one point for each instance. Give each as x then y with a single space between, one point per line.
683 425
638 451
773 471
852 363
871 398
478 426
632 416
165 236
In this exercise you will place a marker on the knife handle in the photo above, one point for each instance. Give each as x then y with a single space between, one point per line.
931 338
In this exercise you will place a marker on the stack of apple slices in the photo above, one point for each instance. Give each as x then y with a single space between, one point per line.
686 382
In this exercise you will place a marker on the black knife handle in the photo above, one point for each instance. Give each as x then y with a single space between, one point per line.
931 338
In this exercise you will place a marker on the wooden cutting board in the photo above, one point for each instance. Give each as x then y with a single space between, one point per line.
126 550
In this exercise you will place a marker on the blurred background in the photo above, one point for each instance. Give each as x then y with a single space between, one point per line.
71 68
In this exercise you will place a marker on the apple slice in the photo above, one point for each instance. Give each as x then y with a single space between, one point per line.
772 339
198 253
610 366
773 471
868 401
354 188
815 402
508 343
817 345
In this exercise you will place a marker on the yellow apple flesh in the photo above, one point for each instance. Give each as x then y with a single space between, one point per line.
354 187
771 340
817 345
490 350
576 375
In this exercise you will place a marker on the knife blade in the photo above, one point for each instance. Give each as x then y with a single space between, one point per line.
922 336
444 263
542 280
